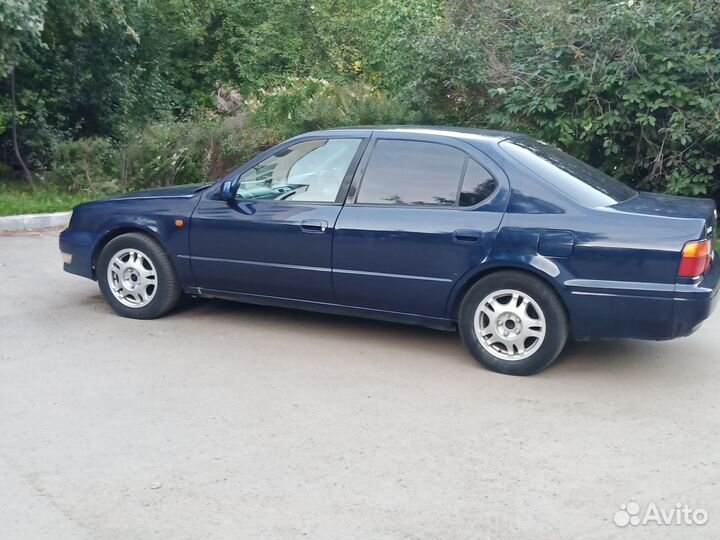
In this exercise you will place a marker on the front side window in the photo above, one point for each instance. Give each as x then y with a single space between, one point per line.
309 171
412 173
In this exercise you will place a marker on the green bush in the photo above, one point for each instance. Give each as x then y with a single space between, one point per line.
165 154
631 87
89 165
207 147
202 150
308 104
6 171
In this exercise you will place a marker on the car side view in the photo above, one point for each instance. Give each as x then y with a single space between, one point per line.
507 239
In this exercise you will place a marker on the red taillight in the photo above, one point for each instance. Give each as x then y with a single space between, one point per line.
696 258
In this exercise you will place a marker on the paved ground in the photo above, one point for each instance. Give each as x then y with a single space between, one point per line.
231 421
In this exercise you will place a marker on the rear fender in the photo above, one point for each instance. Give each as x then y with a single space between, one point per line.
544 268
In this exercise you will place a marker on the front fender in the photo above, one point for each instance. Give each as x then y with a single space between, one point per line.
165 220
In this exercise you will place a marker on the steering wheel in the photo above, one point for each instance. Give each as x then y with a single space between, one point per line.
288 194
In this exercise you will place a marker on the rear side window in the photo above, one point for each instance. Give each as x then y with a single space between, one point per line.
582 182
412 173
478 184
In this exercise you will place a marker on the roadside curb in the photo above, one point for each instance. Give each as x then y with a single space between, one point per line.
29 222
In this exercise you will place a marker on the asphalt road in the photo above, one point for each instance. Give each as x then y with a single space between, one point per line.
231 421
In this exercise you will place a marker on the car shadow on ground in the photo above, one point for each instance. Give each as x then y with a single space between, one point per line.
321 324
618 357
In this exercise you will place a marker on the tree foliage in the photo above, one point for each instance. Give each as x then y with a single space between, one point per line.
21 23
631 86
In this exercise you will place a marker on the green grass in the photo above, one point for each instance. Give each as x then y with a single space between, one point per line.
17 198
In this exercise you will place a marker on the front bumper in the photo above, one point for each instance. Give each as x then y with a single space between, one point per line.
77 251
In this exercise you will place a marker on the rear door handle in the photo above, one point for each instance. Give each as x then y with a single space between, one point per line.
314 225
466 236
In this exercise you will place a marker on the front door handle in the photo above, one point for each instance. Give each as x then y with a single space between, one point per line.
466 236
314 225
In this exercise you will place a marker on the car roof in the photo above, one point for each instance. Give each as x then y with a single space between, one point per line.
446 131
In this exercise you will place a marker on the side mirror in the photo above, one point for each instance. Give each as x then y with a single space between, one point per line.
228 190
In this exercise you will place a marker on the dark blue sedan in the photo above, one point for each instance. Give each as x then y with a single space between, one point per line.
507 239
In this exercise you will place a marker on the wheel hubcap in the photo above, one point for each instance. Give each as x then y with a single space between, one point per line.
509 324
132 278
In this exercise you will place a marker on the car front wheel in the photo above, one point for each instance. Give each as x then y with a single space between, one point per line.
513 323
136 277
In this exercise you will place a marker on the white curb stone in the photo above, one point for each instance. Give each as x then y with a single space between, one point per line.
28 222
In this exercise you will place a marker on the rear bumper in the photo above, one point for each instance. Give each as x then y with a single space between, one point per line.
77 249
657 311
693 303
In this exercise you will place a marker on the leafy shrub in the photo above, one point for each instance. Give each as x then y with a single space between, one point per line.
165 154
86 165
632 86
202 150
308 104
6 171
205 148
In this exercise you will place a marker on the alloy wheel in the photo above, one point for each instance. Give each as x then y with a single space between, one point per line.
132 278
509 324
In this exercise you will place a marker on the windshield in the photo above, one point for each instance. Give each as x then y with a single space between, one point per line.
582 182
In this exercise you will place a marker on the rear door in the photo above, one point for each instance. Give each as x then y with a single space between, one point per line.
275 237
420 214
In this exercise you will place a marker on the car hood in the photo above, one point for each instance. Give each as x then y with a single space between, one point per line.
187 190
653 204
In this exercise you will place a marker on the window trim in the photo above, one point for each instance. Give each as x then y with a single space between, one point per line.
344 184
355 187
462 179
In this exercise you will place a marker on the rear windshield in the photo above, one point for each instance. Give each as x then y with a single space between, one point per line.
582 182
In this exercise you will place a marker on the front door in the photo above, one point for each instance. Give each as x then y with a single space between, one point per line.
420 216
274 238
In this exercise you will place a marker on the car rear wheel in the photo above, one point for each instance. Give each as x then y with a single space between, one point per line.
513 323
136 277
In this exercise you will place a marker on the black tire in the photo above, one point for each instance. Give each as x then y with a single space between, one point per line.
551 310
165 293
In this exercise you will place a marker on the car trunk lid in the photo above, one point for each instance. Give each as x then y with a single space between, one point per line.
653 204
